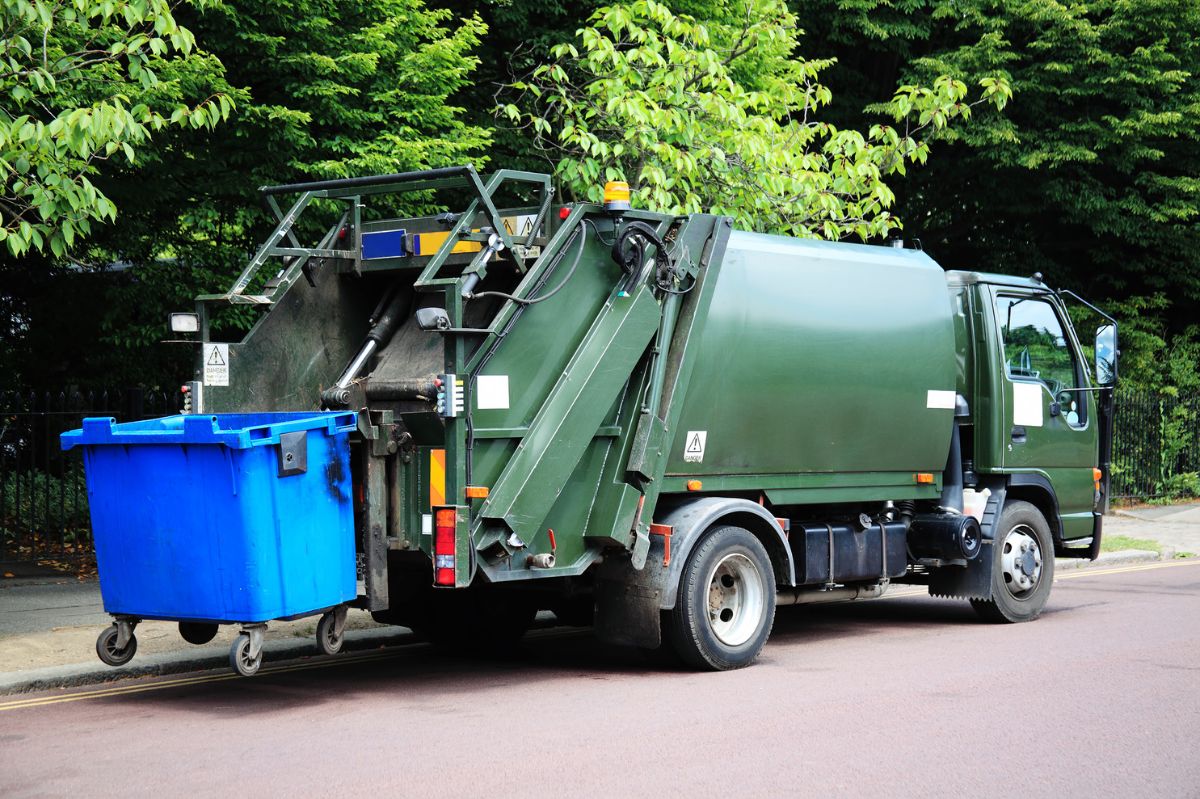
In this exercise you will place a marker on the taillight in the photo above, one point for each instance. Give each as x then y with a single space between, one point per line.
443 546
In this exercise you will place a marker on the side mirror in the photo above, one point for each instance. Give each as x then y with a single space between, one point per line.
1106 355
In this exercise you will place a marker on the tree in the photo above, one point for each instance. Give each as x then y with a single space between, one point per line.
1091 177
720 115
83 82
324 89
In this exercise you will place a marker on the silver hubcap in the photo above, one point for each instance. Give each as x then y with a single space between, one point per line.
1021 560
735 599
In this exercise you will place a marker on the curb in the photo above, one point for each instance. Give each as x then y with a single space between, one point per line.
200 659
1115 558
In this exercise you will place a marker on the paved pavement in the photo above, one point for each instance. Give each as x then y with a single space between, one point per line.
48 625
1174 526
899 697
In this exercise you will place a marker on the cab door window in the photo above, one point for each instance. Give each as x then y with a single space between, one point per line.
1036 349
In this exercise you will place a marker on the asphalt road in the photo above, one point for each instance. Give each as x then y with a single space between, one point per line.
907 696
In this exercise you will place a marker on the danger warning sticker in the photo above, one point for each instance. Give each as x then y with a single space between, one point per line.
693 446
216 364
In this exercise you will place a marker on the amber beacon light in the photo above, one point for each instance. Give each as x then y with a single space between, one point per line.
616 197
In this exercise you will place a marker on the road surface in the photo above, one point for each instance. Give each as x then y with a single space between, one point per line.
906 696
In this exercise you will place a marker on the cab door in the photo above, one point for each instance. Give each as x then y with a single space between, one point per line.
1050 425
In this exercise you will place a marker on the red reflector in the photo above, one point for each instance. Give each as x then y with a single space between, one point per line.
564 212
923 477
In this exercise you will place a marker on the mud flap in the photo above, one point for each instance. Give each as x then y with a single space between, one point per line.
973 582
629 600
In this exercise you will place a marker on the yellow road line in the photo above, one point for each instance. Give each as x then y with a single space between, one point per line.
203 678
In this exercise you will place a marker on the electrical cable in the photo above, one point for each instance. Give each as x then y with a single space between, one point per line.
629 251
556 289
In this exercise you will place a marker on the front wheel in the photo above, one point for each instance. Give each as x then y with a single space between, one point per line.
726 603
109 652
1022 566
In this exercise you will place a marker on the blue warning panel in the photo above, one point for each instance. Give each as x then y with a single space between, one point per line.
384 244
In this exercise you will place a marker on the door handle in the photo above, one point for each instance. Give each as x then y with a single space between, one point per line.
1018 435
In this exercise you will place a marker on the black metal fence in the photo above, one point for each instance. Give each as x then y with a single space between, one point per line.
43 497
1156 446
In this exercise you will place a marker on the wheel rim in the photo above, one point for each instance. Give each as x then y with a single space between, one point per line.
735 599
248 664
1021 561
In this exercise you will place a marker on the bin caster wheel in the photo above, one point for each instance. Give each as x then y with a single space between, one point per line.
195 632
331 632
110 653
243 662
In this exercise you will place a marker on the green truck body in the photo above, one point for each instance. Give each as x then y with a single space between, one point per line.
666 426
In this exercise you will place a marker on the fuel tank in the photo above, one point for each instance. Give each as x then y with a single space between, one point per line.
833 362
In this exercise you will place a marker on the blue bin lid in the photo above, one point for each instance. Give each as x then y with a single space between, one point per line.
234 430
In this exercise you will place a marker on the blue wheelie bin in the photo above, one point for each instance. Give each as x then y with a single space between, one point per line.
221 519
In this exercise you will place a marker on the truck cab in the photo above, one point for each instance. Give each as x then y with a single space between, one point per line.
1040 414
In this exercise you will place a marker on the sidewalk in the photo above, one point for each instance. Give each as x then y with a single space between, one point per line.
49 623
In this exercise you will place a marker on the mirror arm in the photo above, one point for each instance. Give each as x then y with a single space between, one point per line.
1081 300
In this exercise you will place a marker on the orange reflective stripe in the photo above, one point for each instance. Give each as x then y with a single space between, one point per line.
437 477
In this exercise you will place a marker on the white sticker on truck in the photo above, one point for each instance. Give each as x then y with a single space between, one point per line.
942 400
693 446
491 392
216 364
1027 404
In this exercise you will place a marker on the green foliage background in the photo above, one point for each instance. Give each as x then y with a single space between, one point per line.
1089 174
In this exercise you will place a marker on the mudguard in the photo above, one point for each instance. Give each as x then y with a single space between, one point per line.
629 601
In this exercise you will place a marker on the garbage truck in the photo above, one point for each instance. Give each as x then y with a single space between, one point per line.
651 424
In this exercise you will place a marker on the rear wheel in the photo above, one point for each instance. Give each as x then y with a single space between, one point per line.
240 658
1022 566
726 603
329 638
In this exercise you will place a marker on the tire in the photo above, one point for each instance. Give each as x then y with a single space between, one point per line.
329 642
106 647
197 632
726 602
1022 566
239 657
